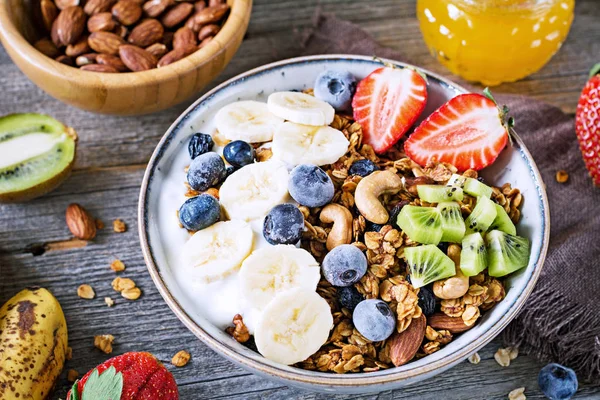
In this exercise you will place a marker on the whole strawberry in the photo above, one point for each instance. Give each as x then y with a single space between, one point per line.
587 124
130 376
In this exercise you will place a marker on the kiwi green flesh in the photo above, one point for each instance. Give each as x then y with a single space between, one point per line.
428 264
482 216
503 222
506 253
421 224
453 224
438 193
34 176
470 186
473 256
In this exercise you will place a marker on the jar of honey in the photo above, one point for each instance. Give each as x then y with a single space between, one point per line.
494 41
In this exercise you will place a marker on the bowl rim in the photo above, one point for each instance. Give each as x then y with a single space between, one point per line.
12 37
328 380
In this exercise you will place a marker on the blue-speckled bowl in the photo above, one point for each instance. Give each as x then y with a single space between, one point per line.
515 165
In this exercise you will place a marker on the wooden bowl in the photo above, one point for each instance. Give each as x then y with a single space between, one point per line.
119 93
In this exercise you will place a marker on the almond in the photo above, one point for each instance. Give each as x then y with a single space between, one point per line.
101 22
86 59
49 13
211 15
136 58
199 5
127 12
146 33
65 60
208 30
205 42
99 68
79 48
404 345
157 50
177 14
97 6
171 57
184 38
69 25
154 8
46 47
62 4
105 42
80 222
214 3
113 61
453 324
121 30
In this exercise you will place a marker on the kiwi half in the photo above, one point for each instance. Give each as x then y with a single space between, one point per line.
438 193
503 222
506 253
482 216
421 224
470 186
428 264
473 257
36 155
453 224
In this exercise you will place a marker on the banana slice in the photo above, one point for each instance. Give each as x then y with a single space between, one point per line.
217 251
303 144
250 121
274 269
293 326
253 190
300 108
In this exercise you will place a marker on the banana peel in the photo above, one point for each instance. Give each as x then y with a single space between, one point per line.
33 344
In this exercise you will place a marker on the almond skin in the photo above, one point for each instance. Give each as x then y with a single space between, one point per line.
146 33
80 222
208 30
62 4
49 13
86 59
46 47
97 6
69 25
105 42
99 68
404 345
113 61
136 58
157 50
65 60
79 48
101 22
127 12
177 14
441 321
171 57
184 38
153 8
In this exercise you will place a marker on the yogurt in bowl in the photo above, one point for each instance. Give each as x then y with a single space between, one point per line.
207 312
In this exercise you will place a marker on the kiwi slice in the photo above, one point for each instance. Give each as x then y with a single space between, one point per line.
506 253
453 224
470 186
473 257
428 264
482 216
503 222
421 224
36 155
438 193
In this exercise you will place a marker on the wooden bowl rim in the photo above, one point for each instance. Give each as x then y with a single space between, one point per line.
12 37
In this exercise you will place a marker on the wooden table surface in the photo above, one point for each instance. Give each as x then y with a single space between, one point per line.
112 156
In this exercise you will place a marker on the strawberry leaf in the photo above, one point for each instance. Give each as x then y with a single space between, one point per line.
595 70
105 386
74 391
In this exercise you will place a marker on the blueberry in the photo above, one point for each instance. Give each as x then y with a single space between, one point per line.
199 212
310 186
200 143
374 319
426 301
205 171
373 227
336 88
557 382
349 297
226 172
363 168
393 221
344 265
238 153
283 224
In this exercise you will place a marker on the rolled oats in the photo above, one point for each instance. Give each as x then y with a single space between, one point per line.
474 358
119 226
502 357
109 302
517 394
117 266
72 375
132 293
104 343
86 292
181 358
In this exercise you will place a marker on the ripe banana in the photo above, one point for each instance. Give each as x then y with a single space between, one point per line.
300 108
293 326
274 269
250 121
253 190
303 144
217 251
33 344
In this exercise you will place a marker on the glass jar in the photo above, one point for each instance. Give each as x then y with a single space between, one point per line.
494 41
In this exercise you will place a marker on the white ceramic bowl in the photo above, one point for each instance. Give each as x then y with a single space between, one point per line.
159 198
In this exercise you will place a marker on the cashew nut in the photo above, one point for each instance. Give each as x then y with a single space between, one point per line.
341 231
455 286
368 191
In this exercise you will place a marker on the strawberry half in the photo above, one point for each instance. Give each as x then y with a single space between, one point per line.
130 376
587 124
469 132
387 103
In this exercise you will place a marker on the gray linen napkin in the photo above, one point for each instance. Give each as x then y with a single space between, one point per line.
561 320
